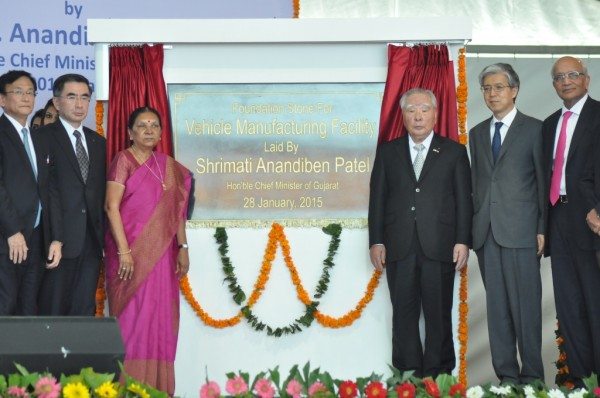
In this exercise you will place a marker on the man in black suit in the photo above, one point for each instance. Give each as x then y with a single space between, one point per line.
509 200
78 159
420 213
27 201
568 138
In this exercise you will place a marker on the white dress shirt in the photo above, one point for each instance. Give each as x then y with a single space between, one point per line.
70 130
18 127
426 142
506 122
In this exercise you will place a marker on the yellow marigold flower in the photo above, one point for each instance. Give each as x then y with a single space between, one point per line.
138 390
106 390
75 390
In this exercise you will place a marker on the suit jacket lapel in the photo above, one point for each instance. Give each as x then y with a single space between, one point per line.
404 153
432 156
61 136
487 141
549 141
511 135
580 128
91 139
17 142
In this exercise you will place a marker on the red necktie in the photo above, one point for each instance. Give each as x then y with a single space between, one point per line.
559 159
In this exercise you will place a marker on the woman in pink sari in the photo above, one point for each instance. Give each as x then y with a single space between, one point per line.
146 250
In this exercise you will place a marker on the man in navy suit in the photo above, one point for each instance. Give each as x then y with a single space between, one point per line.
420 214
27 200
78 159
569 135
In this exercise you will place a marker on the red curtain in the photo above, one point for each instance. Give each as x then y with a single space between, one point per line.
136 80
428 67
156 93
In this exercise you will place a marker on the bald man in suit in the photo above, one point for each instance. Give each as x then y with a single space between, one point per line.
420 214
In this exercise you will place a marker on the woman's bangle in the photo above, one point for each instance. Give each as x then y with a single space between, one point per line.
122 253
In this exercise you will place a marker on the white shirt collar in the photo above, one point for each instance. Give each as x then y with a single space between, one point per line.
70 129
426 142
508 119
576 109
16 124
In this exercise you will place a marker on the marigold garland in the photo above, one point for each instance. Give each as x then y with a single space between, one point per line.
296 6
462 93
352 315
277 237
563 375
100 288
186 290
463 306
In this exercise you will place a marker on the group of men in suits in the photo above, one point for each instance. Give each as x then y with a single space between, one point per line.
52 185
529 190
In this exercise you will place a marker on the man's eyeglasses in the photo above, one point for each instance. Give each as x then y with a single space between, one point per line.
561 77
497 88
21 93
75 98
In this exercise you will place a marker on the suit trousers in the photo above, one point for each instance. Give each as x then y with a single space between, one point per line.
70 288
19 283
513 289
576 280
416 282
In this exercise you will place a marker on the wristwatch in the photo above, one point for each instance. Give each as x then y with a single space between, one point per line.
184 246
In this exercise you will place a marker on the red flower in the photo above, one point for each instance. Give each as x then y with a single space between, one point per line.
406 390
375 389
431 388
348 389
597 391
457 389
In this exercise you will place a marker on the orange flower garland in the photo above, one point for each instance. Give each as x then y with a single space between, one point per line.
186 290
296 5
100 288
277 236
461 97
463 307
352 315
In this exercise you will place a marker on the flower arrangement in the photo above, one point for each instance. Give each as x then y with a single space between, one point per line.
278 238
86 384
314 383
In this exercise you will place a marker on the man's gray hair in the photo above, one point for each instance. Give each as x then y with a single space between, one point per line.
505 69
413 91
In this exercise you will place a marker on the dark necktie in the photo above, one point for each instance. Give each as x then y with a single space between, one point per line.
496 141
82 157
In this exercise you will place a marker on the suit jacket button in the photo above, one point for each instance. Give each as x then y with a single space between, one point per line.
83 211
412 208
417 190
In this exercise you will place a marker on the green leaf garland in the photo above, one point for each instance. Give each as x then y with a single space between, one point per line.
238 295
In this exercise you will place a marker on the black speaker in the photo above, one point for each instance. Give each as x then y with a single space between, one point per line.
60 344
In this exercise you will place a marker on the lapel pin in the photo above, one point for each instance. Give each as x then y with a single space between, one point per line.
436 150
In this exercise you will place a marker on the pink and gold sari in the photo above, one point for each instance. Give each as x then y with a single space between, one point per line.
147 306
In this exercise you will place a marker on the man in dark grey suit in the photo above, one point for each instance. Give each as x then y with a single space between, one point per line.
420 214
508 225
78 168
